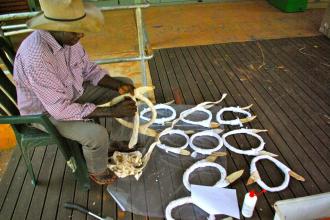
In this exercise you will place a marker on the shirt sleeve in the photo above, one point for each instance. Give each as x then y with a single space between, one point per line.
52 94
92 72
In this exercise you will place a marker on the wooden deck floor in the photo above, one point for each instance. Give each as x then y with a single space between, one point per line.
286 80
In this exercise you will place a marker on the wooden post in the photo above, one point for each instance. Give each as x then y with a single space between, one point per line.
325 25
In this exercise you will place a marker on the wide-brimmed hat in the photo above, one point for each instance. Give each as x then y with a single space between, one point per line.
67 15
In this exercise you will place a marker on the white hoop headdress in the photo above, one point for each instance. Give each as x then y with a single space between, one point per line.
237 121
203 108
224 180
160 121
286 171
205 133
253 151
177 150
179 202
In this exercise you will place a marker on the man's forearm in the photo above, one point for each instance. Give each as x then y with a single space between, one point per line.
100 112
109 82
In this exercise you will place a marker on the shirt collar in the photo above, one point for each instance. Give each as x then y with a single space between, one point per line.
53 44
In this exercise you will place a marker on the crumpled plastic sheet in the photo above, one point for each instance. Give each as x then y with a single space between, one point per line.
161 181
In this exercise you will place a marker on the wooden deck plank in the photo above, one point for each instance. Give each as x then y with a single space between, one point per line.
8 176
95 200
80 198
308 63
259 97
296 102
209 74
294 125
109 206
156 81
239 140
39 195
306 104
174 72
197 75
304 126
67 194
265 123
166 87
311 57
292 71
306 83
167 68
222 68
215 95
153 199
23 203
51 204
201 177
183 69
14 190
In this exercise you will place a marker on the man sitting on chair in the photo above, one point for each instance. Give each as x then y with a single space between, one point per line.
54 75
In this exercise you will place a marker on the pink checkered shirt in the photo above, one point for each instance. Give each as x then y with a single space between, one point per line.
49 77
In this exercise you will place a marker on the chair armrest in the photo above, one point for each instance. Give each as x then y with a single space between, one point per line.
25 119
28 119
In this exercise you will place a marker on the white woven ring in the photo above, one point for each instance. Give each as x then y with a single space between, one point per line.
203 163
232 122
205 133
253 151
179 202
173 149
205 123
160 121
279 164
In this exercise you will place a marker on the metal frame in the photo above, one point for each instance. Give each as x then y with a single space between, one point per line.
143 42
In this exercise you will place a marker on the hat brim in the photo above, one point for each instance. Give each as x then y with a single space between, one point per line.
92 22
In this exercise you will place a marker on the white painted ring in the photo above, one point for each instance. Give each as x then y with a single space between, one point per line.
205 133
179 202
203 163
253 151
160 121
280 165
205 123
231 122
173 149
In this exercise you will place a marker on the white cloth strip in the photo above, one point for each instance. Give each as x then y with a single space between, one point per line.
253 151
203 163
210 133
237 121
173 149
279 164
160 121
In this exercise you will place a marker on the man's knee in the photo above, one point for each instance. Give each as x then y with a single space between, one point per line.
97 137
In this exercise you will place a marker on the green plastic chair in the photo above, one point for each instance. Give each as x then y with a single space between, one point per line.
28 137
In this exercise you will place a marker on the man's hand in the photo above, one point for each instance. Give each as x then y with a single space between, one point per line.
126 108
123 109
126 88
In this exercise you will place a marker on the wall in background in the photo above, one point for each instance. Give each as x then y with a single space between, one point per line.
12 6
318 3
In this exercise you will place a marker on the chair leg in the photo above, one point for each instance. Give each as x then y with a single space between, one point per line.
28 165
81 172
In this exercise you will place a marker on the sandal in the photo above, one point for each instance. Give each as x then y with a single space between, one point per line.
105 178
